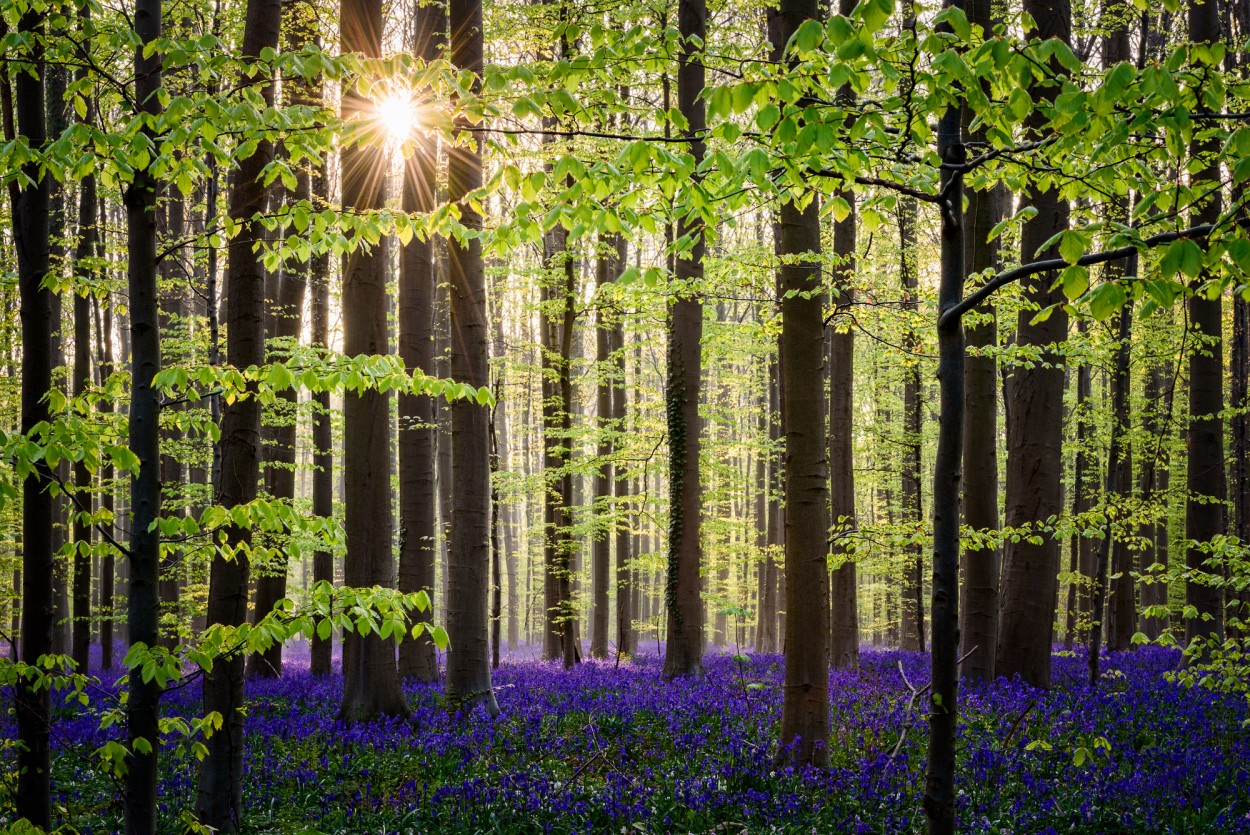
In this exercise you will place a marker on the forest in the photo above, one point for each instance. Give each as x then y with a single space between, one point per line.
515 417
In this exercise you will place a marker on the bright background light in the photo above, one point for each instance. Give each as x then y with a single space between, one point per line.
397 114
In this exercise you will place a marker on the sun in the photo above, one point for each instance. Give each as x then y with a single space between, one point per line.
397 115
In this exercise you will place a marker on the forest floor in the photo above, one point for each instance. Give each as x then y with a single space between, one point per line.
604 748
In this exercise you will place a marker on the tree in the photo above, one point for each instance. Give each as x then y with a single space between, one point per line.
683 588
468 657
219 802
840 341
1205 482
143 620
30 237
83 481
805 707
1030 589
978 613
418 526
370 676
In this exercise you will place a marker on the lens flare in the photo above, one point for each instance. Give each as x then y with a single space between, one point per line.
397 114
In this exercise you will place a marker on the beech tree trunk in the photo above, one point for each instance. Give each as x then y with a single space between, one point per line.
978 613
322 429
1204 506
683 588
83 481
219 803
370 675
1153 488
418 524
913 576
939 787
30 237
468 657
1030 586
840 341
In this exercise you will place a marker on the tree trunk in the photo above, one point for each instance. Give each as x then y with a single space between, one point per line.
939 788
1083 549
805 706
683 590
606 270
417 523
1119 479
220 800
54 102
913 582
322 429
370 675
104 365
30 237
1030 587
843 592
1204 507
626 641
173 317
1154 489
87 239
468 658
766 577
978 614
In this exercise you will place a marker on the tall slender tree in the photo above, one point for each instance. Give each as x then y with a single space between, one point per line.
370 675
219 802
468 656
30 236
978 613
683 589
1205 481
418 524
840 342
1030 587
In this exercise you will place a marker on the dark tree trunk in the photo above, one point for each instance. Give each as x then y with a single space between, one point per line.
87 240
766 578
1154 489
285 318
143 707
843 592
1083 556
468 658
683 589
322 428
173 315
370 675
219 803
978 614
805 706
1204 508
58 224
939 789
104 365
1119 479
418 524
560 547
625 639
606 270
913 571
1030 587
30 237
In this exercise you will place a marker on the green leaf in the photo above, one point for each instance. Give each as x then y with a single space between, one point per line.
1073 244
1106 299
